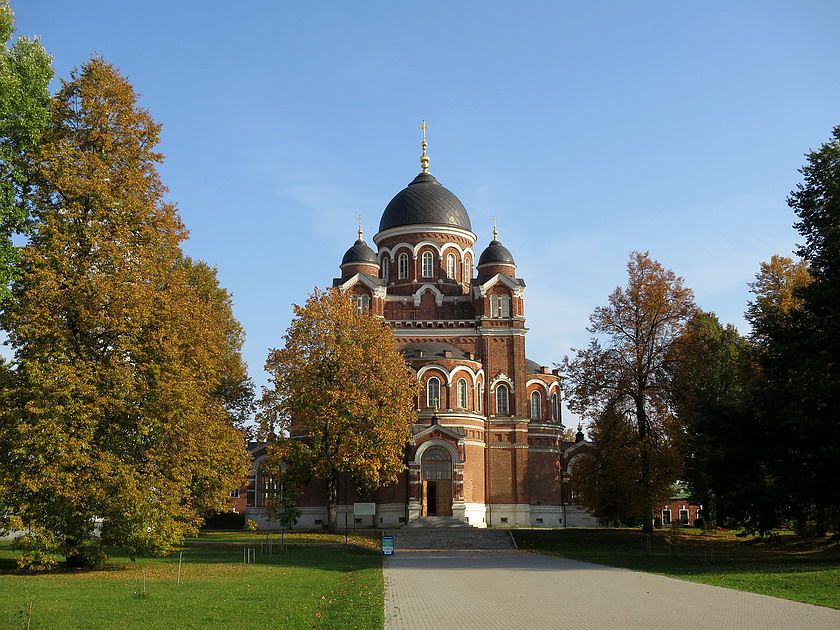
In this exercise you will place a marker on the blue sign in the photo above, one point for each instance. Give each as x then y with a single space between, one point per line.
387 545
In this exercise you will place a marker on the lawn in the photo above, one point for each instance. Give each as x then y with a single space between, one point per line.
788 567
303 587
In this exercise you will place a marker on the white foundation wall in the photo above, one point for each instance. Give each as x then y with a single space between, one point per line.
509 515
387 515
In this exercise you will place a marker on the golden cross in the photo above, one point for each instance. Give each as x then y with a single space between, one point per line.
360 226
495 231
424 159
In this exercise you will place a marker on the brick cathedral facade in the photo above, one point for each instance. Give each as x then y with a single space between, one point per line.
487 444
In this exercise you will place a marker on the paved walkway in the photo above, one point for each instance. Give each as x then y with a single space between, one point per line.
491 590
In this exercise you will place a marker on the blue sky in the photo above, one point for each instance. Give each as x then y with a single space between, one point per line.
588 129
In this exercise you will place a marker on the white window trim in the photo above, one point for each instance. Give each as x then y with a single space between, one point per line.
463 393
506 410
430 399
402 266
536 411
428 265
451 267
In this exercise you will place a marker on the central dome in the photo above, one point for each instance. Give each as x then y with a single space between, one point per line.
424 200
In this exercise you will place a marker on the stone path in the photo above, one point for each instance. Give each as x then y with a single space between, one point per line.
491 590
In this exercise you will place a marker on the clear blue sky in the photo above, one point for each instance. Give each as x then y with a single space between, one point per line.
589 129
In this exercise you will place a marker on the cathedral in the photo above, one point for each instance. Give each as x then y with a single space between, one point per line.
487 446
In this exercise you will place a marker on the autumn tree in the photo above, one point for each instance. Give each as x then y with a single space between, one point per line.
116 413
625 369
607 481
340 388
25 72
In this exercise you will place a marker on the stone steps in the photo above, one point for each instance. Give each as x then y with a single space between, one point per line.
450 537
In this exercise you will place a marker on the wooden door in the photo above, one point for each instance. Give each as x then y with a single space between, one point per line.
444 498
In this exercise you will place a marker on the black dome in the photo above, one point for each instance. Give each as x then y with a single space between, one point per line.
496 254
360 253
424 200
432 349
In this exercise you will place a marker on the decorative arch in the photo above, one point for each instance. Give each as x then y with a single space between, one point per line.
501 377
543 384
453 452
428 287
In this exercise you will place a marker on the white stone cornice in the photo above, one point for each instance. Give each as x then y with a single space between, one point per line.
517 289
374 284
424 227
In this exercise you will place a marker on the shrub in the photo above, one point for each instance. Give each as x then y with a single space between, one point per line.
88 555
224 521
251 525
36 561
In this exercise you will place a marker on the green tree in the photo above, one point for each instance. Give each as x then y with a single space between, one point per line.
715 377
340 387
607 481
625 369
800 346
25 73
115 413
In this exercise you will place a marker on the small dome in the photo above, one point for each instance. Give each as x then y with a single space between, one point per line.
496 254
359 253
424 200
532 367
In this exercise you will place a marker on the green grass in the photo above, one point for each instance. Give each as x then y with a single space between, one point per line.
303 587
788 567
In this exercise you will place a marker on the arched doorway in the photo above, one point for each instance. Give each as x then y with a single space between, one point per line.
436 476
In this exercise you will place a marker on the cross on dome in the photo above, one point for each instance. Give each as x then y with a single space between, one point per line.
424 159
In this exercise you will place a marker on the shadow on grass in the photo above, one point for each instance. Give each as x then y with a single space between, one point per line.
685 552
327 558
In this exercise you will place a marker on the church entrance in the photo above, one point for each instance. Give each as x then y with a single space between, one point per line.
436 476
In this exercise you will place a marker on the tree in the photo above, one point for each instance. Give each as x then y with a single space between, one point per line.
235 388
116 414
25 73
607 481
341 389
625 369
800 346
715 377
778 289
816 202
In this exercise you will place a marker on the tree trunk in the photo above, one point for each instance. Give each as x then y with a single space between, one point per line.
646 472
332 501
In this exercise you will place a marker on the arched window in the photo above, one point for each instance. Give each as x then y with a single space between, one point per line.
467 269
360 303
494 305
555 406
402 266
463 401
433 392
450 266
504 306
536 406
478 398
385 264
502 400
428 264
